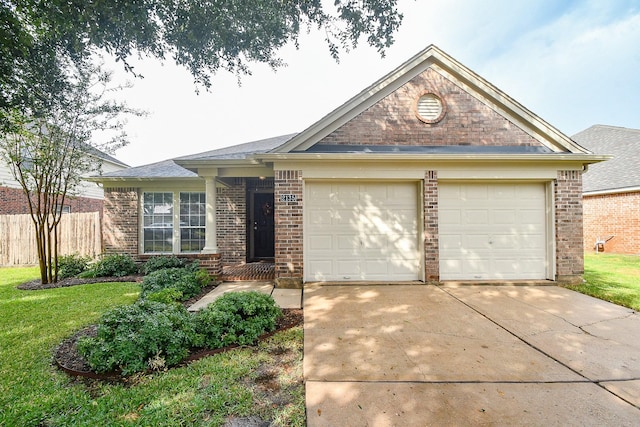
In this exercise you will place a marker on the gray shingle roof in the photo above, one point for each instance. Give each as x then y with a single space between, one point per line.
242 150
623 170
164 169
171 169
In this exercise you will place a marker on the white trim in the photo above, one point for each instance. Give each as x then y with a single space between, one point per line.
614 191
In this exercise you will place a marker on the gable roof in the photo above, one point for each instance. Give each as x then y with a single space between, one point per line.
433 57
621 172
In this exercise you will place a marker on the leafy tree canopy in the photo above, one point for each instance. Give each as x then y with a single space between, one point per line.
204 36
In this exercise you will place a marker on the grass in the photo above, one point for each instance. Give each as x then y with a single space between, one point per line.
611 277
265 381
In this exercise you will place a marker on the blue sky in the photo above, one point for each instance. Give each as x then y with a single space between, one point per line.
573 63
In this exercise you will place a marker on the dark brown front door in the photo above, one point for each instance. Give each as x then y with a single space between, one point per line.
261 226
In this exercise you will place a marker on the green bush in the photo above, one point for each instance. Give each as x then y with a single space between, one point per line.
188 280
141 336
115 265
72 265
166 296
161 262
237 318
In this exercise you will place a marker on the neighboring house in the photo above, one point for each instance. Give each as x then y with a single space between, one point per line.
430 174
88 198
611 190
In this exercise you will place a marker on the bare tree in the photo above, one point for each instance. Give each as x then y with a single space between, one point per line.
49 151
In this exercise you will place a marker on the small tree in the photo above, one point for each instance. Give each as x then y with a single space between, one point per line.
49 151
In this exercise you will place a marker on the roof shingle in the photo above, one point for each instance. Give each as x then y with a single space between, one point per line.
623 170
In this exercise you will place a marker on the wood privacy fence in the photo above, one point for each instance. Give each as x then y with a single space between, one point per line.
78 233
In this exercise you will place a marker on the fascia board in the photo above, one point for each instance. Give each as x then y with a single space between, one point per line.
612 191
413 157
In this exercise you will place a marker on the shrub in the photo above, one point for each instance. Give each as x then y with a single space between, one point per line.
141 336
72 265
188 280
166 296
237 318
116 265
161 262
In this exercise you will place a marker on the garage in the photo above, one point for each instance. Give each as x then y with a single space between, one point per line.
492 231
361 231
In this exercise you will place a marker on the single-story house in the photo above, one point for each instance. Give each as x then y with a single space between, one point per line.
611 190
430 174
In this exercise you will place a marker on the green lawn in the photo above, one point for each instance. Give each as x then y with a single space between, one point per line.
34 393
611 277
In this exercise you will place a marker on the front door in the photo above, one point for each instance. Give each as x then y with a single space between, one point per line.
261 226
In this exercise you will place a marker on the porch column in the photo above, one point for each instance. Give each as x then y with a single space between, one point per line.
210 239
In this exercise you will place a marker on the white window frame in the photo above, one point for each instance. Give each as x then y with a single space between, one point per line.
176 230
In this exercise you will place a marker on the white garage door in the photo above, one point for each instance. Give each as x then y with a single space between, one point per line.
492 231
361 231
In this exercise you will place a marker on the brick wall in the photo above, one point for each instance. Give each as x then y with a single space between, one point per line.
120 221
392 121
431 251
613 215
569 238
288 224
14 202
231 217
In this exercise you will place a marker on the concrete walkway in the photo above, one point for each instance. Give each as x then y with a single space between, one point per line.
470 355
285 298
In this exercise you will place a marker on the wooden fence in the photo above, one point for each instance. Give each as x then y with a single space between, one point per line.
78 233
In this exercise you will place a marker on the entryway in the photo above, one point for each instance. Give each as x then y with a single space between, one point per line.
260 224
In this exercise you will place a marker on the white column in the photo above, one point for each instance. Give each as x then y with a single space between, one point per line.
210 239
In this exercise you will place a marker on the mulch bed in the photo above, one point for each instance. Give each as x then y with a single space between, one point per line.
67 358
36 285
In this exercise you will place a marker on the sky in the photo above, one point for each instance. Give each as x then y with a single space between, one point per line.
573 63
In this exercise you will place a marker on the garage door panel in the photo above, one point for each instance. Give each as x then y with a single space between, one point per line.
371 224
321 242
501 233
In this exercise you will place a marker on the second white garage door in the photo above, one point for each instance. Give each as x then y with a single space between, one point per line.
491 231
361 231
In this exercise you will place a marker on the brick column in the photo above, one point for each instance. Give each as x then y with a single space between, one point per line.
431 255
569 237
288 228
120 221
231 211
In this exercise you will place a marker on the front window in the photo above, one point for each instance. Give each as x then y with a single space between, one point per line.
192 221
173 222
158 222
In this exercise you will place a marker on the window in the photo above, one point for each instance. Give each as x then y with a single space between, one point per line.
157 219
192 221
173 222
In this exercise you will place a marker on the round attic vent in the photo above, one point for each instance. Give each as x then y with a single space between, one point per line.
430 108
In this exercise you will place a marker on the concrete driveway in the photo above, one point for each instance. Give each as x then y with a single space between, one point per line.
411 355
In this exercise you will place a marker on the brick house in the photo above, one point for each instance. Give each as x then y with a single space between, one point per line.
88 199
611 190
430 174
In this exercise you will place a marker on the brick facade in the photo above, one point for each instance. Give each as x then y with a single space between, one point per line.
231 223
613 215
569 238
120 221
392 120
289 228
14 202
431 252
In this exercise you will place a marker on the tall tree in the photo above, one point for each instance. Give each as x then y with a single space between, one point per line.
49 153
204 36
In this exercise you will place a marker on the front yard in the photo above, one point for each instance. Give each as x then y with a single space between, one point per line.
614 278
237 383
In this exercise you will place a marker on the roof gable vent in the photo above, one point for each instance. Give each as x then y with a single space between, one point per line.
430 108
